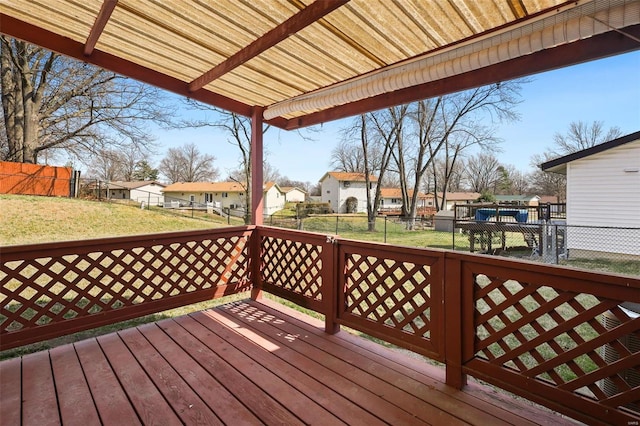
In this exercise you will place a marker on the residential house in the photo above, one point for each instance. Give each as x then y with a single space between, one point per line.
274 198
453 198
293 194
223 195
602 191
391 200
518 200
347 192
138 191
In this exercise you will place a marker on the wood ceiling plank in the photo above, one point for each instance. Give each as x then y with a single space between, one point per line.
300 20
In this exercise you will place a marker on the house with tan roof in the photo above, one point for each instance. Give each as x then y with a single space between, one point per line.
347 192
293 194
458 198
391 200
274 198
221 195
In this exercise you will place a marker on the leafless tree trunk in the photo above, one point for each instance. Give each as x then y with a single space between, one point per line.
52 104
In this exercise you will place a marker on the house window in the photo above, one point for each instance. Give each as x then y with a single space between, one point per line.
346 184
225 195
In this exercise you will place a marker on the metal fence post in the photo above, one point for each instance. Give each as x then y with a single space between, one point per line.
385 229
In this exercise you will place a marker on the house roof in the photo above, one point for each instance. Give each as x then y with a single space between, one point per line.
461 196
303 62
287 189
269 185
515 197
397 193
348 177
118 184
204 187
559 165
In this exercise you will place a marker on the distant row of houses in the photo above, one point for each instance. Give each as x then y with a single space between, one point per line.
223 195
347 193
343 192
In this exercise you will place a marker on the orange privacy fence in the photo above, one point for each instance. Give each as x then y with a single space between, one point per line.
34 179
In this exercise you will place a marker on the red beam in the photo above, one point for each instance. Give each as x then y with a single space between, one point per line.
297 22
101 21
257 157
30 33
596 47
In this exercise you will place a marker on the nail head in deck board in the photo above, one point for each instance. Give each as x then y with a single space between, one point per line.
111 401
39 401
10 390
72 389
147 400
260 380
361 396
183 354
244 352
185 402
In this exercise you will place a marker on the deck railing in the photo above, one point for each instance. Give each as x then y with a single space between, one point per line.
563 338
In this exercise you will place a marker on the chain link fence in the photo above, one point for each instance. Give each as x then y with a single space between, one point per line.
552 241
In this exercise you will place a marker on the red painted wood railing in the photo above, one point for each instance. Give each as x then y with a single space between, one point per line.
49 290
535 330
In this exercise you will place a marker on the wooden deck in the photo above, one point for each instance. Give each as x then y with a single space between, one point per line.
243 363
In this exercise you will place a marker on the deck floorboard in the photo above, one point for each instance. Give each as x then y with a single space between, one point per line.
245 363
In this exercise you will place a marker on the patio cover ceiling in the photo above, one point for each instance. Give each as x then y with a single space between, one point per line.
303 62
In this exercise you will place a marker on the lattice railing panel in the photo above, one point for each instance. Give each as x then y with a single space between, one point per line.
64 283
389 292
573 342
292 266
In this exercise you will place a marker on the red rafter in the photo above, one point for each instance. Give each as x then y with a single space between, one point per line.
101 21
297 22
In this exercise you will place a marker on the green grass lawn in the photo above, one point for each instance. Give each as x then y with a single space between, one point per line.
32 219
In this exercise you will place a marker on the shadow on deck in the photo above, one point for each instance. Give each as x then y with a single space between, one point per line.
243 363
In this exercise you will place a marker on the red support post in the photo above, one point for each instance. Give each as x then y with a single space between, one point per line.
257 156
330 295
453 332
255 248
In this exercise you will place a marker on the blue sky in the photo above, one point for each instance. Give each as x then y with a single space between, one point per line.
606 90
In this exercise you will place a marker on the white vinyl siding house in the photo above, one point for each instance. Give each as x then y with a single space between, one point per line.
138 191
274 198
603 197
294 194
341 189
222 195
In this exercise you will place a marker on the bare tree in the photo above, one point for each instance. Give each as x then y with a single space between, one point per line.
482 172
348 156
581 136
107 166
378 146
453 123
514 181
52 104
188 164
547 183
237 129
